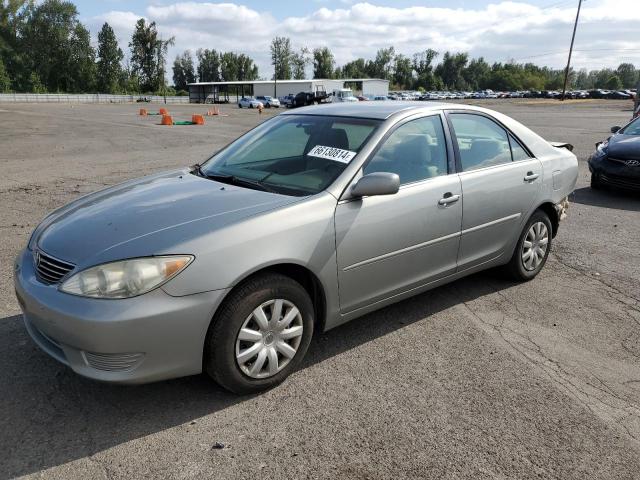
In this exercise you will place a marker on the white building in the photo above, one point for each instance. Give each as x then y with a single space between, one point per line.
223 92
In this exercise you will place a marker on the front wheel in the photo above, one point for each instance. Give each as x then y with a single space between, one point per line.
239 105
533 248
260 334
595 181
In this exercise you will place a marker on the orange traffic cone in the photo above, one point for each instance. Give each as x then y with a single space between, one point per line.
163 111
197 119
143 112
166 120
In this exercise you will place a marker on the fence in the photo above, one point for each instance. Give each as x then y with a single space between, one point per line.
85 98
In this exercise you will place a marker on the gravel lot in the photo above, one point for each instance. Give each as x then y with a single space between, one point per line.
481 378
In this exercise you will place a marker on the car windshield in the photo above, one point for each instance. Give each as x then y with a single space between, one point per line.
633 128
292 154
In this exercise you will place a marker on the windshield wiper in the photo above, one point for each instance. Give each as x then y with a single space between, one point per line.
233 180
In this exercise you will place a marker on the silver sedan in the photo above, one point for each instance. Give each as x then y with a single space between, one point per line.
315 217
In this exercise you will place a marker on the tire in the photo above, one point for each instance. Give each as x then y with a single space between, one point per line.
595 182
239 105
223 345
268 105
250 105
517 268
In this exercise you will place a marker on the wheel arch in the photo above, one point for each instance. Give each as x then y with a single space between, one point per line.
301 274
550 209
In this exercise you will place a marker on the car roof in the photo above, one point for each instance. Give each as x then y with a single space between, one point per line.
375 110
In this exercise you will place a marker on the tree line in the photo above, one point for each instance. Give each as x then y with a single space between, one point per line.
45 48
454 71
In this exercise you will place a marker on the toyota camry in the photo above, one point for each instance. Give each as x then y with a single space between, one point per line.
313 218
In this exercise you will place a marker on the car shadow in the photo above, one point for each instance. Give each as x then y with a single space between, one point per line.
607 197
53 416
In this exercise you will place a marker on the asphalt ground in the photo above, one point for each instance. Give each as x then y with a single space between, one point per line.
482 378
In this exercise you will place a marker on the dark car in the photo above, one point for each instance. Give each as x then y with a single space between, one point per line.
616 161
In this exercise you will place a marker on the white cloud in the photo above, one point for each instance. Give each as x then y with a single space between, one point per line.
607 34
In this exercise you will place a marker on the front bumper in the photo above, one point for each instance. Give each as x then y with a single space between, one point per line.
615 173
137 340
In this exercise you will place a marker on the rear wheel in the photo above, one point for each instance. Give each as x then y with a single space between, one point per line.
532 249
239 105
260 334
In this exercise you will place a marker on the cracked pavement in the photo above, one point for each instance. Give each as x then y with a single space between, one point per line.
481 378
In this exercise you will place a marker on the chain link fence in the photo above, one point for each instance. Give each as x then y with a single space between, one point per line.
86 98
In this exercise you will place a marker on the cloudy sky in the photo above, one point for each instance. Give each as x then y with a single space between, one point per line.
530 30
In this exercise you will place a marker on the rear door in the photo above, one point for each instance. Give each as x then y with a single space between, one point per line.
500 181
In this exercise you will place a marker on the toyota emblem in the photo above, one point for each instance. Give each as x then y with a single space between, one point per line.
633 163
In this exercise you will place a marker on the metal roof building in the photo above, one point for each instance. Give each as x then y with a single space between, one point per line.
225 92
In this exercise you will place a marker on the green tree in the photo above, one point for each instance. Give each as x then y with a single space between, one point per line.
247 69
628 75
5 81
183 71
382 65
423 66
12 18
148 56
323 63
109 68
299 62
57 47
354 69
281 57
613 83
403 72
208 65
451 68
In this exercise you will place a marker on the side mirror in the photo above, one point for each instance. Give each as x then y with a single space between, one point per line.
377 183
615 129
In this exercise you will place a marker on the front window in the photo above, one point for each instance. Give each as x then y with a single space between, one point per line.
293 154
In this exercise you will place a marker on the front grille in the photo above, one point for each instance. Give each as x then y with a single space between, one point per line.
49 269
113 362
622 182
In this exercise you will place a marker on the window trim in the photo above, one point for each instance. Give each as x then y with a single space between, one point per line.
447 145
508 132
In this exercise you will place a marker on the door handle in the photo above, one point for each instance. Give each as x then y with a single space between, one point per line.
448 198
530 177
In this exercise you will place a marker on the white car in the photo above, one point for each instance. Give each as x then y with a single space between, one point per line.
249 102
268 101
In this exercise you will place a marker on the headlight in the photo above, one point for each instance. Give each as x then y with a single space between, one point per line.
126 278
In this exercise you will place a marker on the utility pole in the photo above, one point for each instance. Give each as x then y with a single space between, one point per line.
636 103
573 37
275 76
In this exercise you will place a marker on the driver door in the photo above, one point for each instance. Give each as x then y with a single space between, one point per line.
387 245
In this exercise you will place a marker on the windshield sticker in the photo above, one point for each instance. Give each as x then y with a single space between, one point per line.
331 153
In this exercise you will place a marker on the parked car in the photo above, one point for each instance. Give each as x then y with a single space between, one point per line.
287 100
362 98
616 161
249 102
268 101
230 267
380 98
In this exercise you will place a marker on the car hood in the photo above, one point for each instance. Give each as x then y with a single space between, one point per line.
147 216
625 147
